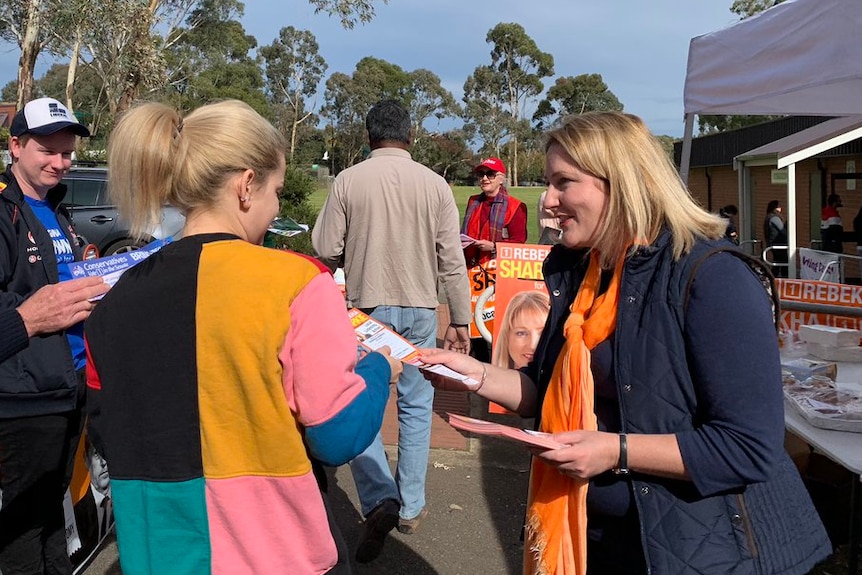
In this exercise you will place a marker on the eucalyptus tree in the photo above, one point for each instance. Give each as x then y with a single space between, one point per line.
347 100
486 120
518 67
344 109
447 154
427 99
746 8
293 68
576 95
208 58
90 105
21 24
126 39
348 11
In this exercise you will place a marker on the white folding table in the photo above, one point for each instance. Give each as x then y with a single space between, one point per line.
842 447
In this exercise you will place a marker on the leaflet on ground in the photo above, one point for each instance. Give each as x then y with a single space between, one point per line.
373 335
482 427
110 268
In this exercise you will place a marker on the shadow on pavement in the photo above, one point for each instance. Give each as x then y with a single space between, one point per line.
476 508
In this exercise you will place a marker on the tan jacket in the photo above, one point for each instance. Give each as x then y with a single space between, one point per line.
395 226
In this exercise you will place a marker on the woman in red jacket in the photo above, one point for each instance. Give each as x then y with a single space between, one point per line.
492 216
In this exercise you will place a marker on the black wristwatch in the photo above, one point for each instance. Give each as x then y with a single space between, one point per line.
622 467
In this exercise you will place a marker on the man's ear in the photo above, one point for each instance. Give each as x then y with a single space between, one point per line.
15 146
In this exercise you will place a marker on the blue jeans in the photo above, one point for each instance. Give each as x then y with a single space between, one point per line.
371 473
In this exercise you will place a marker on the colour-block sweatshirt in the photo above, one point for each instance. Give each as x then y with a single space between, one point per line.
217 370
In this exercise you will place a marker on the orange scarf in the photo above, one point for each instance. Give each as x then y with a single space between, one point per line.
557 504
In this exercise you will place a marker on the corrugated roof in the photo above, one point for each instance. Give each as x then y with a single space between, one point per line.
721 148
830 131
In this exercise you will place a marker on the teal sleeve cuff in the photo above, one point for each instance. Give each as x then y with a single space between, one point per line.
352 430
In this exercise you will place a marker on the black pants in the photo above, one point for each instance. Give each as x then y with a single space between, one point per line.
36 459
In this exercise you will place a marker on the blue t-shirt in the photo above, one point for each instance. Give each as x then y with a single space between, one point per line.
65 255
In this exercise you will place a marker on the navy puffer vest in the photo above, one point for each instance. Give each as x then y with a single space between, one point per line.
764 528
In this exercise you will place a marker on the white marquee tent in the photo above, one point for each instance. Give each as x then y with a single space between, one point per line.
801 57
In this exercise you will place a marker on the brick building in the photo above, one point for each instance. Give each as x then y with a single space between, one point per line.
7 112
720 164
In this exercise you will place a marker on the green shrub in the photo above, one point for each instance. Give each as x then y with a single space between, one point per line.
298 186
303 214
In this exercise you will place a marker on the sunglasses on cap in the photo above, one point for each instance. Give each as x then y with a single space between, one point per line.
485 174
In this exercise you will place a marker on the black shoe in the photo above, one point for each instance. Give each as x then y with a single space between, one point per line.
378 523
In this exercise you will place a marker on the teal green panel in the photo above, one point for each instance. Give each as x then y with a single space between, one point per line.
162 527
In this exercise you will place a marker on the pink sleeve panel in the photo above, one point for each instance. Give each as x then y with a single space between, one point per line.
319 354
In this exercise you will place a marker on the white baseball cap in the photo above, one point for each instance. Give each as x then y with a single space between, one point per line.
45 116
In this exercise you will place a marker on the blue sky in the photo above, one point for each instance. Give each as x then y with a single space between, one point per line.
640 48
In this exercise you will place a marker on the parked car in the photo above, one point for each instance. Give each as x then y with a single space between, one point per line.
98 221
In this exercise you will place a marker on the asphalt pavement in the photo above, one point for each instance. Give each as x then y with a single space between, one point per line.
476 503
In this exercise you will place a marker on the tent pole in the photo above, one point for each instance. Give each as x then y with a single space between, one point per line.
792 222
744 218
684 160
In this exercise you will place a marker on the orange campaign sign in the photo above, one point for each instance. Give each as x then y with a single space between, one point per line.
519 268
521 302
482 277
823 293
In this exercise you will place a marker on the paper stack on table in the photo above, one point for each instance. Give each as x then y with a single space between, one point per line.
832 343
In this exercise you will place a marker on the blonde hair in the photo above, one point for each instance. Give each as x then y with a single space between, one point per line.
646 193
531 302
156 157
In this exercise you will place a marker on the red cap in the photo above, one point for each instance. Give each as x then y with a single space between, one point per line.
494 164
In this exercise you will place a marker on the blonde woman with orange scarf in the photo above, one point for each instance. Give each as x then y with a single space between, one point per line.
658 368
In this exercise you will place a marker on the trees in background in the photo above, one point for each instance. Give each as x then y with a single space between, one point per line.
293 67
189 52
208 58
485 119
347 100
576 95
21 23
348 11
746 8
126 41
509 85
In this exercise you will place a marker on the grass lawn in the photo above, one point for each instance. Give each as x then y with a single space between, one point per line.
530 196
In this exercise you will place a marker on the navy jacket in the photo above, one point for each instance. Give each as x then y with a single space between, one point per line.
757 521
40 379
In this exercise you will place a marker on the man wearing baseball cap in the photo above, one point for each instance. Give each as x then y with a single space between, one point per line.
492 216
42 385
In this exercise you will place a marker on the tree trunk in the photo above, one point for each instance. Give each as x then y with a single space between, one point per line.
141 37
294 124
514 170
29 51
72 72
